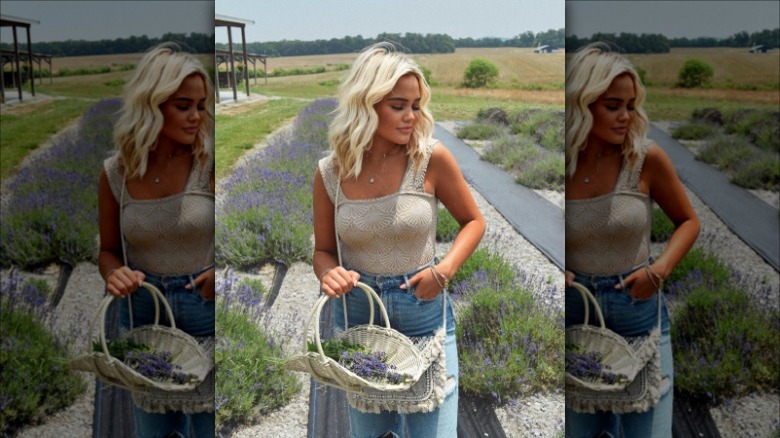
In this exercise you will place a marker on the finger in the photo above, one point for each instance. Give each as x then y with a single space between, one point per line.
413 281
569 276
627 281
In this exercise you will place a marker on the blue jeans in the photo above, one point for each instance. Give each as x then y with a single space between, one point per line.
413 317
193 315
627 317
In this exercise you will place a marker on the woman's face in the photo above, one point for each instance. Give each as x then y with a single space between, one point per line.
183 112
613 112
398 112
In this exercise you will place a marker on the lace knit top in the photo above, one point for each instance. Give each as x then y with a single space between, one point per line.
172 235
610 234
392 234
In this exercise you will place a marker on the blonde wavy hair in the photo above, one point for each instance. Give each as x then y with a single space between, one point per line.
158 75
373 76
588 75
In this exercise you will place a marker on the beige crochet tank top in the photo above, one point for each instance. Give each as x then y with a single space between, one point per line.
172 235
392 234
610 234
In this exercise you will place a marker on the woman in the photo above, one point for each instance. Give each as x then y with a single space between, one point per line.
613 174
156 212
388 176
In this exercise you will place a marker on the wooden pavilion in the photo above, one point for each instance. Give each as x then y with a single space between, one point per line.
228 57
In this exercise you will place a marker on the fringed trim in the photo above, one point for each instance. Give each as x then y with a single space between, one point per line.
639 396
426 395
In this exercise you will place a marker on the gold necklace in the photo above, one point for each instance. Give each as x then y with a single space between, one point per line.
372 179
167 163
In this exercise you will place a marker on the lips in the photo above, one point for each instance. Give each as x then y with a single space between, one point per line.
191 131
621 131
407 130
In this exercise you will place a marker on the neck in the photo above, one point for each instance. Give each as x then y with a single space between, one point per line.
169 150
382 151
599 149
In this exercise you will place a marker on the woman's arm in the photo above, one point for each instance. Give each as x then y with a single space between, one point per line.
445 180
334 279
660 180
120 280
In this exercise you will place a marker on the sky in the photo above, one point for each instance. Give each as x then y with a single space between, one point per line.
325 19
96 20
674 19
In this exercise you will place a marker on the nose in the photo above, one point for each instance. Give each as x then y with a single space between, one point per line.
410 116
195 115
624 115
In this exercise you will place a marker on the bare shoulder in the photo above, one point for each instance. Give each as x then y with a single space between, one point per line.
656 159
441 157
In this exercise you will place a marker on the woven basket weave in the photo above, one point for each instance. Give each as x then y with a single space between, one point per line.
184 349
614 349
399 349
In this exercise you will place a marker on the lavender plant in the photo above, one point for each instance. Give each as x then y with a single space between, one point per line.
367 364
589 366
508 345
266 212
251 379
36 379
51 214
725 343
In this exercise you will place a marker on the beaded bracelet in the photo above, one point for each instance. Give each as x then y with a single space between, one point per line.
438 274
325 272
656 279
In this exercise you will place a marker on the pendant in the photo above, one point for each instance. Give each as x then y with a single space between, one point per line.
587 179
157 180
371 180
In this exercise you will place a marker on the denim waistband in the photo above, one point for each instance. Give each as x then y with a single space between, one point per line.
378 279
167 279
600 279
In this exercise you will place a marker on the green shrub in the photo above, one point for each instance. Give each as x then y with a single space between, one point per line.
761 172
726 153
694 73
507 345
662 227
547 173
479 73
251 379
427 74
724 344
480 131
446 226
694 131
36 378
696 259
513 153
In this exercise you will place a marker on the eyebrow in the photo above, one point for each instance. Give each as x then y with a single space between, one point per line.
187 99
617 99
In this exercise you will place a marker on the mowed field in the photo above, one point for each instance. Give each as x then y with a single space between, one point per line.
523 74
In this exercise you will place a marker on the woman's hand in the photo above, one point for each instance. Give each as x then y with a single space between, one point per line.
337 281
640 284
205 282
425 285
123 281
569 276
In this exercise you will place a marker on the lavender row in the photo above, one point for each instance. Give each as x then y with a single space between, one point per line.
267 207
51 214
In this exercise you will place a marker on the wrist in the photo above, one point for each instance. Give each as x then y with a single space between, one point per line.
323 273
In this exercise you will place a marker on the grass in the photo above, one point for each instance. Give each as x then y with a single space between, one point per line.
446 226
662 227
27 128
694 131
674 104
238 132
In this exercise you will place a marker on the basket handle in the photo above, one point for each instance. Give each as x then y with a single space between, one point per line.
100 315
314 317
587 297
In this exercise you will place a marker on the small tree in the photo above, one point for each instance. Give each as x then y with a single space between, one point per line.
479 73
694 73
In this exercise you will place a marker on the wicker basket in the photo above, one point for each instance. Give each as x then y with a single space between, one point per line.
399 349
614 349
184 349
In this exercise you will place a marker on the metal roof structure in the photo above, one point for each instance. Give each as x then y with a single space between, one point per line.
14 56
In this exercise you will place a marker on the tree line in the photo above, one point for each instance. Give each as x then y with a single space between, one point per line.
411 42
194 42
658 43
